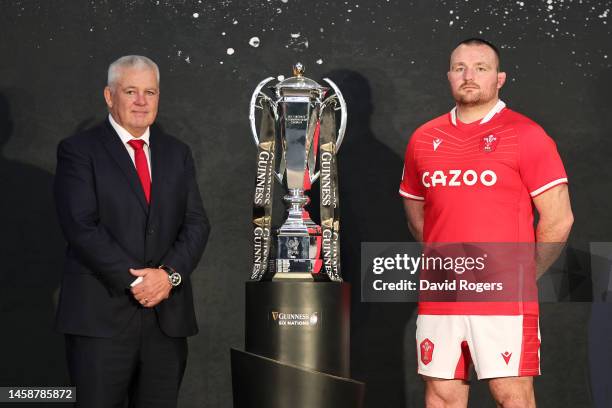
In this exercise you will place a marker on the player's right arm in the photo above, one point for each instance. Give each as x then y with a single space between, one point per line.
415 214
413 192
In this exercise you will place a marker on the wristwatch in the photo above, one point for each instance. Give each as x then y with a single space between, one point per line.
173 276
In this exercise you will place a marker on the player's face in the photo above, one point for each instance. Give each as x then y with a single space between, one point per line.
473 76
133 99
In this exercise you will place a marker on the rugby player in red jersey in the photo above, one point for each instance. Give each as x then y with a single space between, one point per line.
474 175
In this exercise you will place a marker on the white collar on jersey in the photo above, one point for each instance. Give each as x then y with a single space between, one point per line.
494 111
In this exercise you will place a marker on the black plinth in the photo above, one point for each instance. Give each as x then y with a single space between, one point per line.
297 344
260 382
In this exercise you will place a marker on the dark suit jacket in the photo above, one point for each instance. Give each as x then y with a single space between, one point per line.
110 228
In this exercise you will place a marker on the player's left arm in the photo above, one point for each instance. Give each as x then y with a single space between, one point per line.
554 225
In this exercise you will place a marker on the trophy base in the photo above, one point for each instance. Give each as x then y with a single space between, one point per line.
295 258
296 246
297 270
293 277
294 265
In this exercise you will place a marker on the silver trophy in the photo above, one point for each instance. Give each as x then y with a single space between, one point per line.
297 144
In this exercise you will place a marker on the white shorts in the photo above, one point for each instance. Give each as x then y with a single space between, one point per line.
499 346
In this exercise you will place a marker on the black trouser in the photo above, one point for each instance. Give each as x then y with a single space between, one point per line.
141 366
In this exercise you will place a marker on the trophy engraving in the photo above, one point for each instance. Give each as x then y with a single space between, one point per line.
297 144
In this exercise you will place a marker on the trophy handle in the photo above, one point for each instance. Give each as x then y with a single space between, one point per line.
258 94
343 112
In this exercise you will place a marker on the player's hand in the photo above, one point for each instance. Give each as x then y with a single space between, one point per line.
154 288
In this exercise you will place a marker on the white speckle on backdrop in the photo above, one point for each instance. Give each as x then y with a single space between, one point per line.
557 21
295 27
254 42
230 51
297 42
280 77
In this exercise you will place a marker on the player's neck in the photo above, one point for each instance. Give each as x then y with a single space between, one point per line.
472 113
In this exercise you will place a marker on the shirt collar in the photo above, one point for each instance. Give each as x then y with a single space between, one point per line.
125 135
494 111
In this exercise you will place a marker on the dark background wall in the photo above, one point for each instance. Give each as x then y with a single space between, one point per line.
390 58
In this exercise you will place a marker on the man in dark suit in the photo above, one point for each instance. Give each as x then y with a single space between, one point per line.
130 208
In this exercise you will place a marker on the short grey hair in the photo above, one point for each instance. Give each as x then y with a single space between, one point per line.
129 61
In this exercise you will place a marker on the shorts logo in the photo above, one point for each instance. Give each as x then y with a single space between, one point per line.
506 356
488 144
427 348
436 142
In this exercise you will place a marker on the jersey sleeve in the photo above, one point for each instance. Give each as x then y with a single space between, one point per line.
540 165
411 187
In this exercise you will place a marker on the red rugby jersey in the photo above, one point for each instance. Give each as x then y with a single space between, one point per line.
477 180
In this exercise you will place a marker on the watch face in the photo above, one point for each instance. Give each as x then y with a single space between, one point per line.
175 279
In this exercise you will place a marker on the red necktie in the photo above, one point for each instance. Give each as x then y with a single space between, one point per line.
142 167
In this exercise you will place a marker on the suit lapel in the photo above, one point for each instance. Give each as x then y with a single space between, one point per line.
117 151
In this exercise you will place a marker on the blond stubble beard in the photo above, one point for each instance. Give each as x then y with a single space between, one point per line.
475 98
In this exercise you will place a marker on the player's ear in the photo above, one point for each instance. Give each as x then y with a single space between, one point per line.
501 79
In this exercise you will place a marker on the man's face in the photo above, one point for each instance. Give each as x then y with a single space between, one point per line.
133 99
473 75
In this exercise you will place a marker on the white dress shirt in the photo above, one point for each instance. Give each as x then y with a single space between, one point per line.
126 137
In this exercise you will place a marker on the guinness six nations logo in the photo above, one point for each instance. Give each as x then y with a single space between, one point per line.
279 318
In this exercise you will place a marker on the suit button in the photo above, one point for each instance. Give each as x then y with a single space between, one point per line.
151 231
